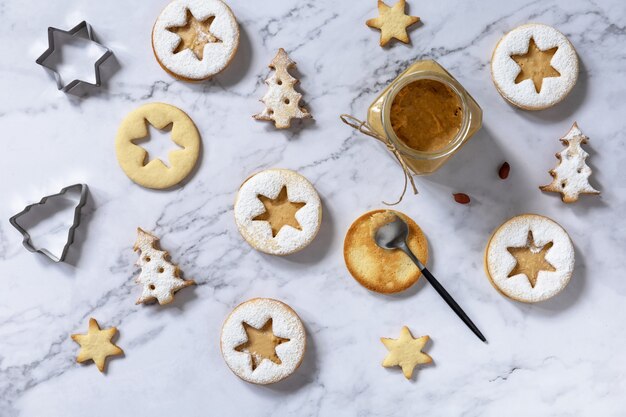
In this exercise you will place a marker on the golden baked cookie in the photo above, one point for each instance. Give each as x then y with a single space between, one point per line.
263 341
529 258
96 345
406 352
377 269
392 22
132 158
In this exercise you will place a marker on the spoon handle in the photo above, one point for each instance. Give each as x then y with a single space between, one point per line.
445 295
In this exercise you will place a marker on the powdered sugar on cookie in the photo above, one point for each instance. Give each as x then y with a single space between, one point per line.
269 184
571 176
500 263
219 49
285 324
505 70
159 277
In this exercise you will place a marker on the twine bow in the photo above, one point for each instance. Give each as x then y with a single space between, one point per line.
366 129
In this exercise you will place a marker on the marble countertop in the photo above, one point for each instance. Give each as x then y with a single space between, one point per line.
562 357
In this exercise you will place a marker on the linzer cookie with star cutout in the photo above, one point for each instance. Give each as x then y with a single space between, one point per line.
534 66
263 341
195 39
278 211
529 258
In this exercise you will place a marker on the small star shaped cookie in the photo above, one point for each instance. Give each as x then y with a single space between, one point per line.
406 352
96 345
392 22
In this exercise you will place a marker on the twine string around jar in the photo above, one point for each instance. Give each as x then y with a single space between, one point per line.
366 129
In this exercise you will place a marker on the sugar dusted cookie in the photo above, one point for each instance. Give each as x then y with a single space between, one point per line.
282 101
96 345
195 39
132 158
377 269
263 341
529 258
278 211
534 66
571 177
159 277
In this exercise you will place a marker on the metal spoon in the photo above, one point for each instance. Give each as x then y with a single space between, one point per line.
393 236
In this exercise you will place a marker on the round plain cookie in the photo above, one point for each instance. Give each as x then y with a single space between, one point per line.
195 39
541 51
263 341
377 269
278 211
132 158
529 258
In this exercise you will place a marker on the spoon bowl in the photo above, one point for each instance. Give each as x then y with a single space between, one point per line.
392 235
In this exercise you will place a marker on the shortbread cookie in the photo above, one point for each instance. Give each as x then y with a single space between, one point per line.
195 39
159 277
529 258
96 345
534 66
263 341
282 101
392 22
278 211
406 352
377 269
571 176
132 158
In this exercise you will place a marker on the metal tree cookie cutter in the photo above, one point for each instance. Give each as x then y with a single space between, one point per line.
80 30
26 241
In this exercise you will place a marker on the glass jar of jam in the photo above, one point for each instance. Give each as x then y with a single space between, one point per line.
426 114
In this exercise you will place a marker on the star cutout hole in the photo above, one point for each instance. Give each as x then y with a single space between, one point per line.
535 65
74 56
157 144
261 344
194 35
530 259
279 212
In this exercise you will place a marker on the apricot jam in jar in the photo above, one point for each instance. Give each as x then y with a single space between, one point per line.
426 114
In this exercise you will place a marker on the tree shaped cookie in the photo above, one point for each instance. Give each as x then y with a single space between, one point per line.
96 345
158 276
392 22
571 176
406 352
282 101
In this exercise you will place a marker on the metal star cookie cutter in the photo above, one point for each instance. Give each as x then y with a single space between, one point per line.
75 31
70 234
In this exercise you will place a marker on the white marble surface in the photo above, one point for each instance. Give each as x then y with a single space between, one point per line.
560 358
